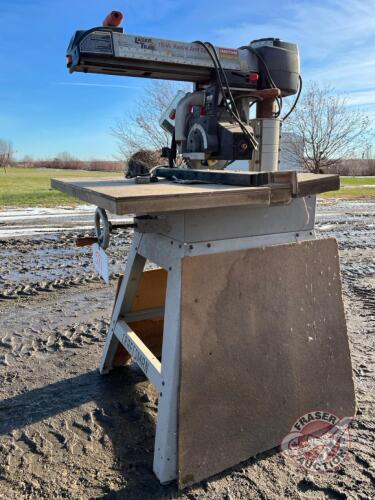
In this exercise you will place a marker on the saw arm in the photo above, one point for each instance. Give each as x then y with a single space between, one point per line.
111 51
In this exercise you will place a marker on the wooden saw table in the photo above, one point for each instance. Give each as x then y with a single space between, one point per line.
123 196
242 327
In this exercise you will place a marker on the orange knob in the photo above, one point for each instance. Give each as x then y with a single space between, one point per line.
113 19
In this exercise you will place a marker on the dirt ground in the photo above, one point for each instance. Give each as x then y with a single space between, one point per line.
67 432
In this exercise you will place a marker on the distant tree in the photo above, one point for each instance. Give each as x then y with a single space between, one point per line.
368 156
323 130
65 160
27 160
6 153
141 131
65 157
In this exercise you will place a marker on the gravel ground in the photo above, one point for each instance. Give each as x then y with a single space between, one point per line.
66 432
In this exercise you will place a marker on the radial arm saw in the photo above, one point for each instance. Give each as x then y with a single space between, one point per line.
210 126
243 302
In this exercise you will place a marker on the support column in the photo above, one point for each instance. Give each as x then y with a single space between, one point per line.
165 455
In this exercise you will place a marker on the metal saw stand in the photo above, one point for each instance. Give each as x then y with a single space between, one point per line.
185 234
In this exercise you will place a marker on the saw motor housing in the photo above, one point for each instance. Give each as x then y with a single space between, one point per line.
211 134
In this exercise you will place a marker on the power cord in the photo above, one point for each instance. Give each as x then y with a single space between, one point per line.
272 83
296 99
232 100
267 72
233 111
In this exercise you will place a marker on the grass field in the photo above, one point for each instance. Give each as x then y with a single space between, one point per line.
31 187
353 188
357 181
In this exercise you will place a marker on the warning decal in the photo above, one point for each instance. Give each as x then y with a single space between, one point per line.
228 53
99 42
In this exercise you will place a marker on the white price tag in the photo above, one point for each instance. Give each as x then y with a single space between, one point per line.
100 260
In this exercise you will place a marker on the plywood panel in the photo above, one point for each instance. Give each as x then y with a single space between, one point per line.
150 295
123 196
150 331
151 291
263 341
316 183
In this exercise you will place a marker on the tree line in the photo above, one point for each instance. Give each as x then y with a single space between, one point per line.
323 134
63 161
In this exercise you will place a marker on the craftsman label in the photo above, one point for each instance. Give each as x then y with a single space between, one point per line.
135 352
228 53
319 441
100 260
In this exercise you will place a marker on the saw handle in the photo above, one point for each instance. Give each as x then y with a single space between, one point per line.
113 19
86 241
268 93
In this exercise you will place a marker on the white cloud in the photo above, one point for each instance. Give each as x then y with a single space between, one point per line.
336 40
361 98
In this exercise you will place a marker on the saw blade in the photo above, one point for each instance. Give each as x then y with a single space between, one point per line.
207 164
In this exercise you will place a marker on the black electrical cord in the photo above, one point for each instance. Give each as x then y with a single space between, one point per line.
279 101
172 153
264 64
216 66
233 112
272 83
229 90
269 78
296 99
218 62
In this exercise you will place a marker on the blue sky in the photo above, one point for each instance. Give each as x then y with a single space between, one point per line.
44 110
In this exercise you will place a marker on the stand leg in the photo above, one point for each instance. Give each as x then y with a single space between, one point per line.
125 297
165 455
